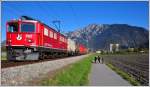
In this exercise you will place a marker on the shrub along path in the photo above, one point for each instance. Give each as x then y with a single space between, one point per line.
101 75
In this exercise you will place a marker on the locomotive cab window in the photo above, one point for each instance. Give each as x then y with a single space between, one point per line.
27 27
13 27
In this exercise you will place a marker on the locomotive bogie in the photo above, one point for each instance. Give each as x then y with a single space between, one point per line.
22 53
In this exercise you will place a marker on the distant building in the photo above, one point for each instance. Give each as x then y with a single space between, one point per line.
111 47
131 49
114 48
117 47
98 51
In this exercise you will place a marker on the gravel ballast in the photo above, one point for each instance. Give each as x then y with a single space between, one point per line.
22 74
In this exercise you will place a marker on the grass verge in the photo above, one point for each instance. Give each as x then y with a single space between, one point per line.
75 75
3 58
124 75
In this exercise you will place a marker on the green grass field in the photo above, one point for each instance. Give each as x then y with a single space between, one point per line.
3 58
75 75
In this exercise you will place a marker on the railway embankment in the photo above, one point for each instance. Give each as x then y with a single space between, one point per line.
75 74
20 75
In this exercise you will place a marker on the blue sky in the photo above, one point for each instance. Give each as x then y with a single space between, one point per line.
75 15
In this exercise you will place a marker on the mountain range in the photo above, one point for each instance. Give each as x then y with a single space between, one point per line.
100 36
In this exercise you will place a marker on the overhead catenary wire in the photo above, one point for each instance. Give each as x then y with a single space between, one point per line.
54 16
45 13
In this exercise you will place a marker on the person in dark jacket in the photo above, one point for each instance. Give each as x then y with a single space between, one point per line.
95 59
99 59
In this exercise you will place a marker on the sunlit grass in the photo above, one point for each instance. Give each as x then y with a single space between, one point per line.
3 58
75 75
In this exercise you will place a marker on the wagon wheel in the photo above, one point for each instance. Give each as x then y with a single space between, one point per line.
9 54
41 57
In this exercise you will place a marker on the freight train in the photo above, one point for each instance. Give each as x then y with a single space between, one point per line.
30 39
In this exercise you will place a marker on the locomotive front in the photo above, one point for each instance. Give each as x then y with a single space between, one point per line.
21 40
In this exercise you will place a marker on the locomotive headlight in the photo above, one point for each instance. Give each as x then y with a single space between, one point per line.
29 41
9 40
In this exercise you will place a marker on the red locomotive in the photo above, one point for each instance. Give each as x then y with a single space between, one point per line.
30 39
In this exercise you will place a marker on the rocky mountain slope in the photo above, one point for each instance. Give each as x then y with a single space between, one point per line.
99 36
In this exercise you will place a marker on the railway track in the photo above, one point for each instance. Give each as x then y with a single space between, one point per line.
6 63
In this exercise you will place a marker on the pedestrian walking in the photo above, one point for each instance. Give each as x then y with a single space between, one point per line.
95 59
102 60
99 59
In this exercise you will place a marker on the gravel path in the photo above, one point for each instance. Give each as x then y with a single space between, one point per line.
20 75
101 75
